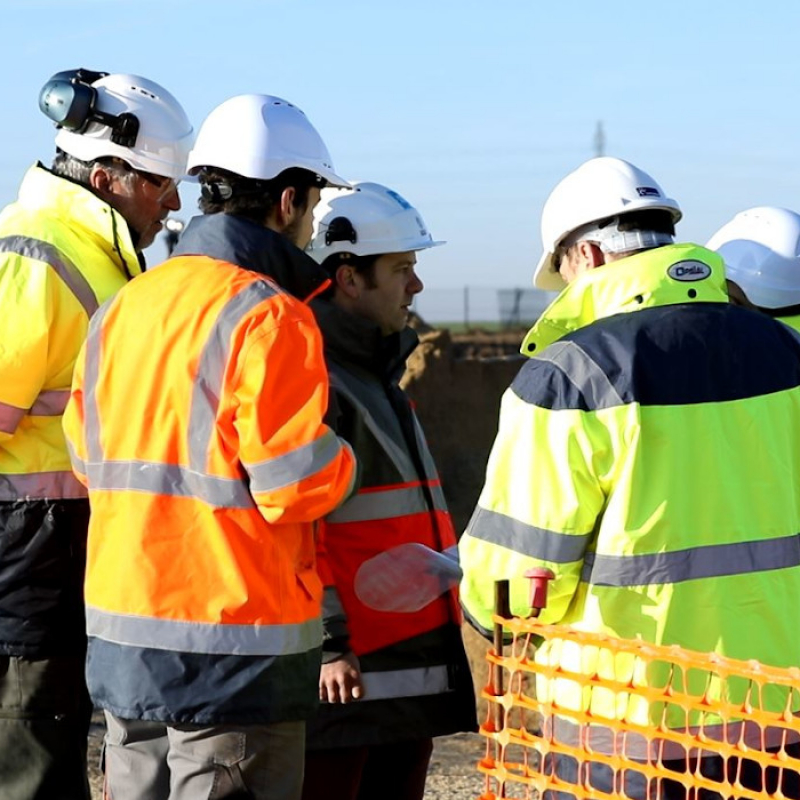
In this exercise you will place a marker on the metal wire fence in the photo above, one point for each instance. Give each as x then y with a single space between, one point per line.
475 306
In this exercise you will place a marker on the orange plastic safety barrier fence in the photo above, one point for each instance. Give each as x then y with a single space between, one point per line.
744 713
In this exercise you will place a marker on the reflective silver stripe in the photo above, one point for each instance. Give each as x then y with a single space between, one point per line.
78 464
398 456
65 269
405 683
91 413
211 368
384 504
708 561
422 445
294 466
437 493
41 485
10 417
50 403
528 540
204 637
167 479
584 373
332 604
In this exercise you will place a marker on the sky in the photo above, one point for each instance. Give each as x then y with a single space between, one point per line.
471 110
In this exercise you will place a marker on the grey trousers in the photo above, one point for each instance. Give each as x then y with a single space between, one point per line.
155 761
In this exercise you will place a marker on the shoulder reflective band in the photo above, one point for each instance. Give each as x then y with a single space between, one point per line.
43 251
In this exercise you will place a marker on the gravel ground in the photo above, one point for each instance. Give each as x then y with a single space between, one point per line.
453 774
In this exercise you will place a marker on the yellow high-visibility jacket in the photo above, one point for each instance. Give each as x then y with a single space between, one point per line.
63 251
648 454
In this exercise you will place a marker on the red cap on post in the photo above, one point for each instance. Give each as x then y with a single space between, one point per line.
539 576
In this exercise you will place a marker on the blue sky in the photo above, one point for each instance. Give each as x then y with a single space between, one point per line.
473 111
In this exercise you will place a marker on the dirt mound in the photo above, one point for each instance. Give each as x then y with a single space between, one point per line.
456 382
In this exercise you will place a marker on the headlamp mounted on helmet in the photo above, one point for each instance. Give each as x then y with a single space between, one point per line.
69 99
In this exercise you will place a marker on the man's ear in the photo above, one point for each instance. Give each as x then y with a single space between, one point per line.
286 208
102 180
591 254
346 282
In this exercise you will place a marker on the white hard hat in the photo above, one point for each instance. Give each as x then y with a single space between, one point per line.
761 250
367 219
600 188
259 136
161 135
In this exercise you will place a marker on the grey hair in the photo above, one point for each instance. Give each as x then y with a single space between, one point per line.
67 166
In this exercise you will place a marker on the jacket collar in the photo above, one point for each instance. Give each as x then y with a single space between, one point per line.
678 273
353 340
92 217
251 246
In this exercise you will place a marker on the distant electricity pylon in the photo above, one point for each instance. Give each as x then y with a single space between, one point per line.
599 140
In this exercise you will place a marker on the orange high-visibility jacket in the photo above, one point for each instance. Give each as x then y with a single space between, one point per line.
196 423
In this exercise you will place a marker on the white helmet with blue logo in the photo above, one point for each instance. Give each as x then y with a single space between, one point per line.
366 219
599 189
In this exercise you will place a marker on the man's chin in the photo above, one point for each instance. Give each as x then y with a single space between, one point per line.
148 238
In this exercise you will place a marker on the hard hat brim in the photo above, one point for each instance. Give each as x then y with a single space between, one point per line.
333 179
545 276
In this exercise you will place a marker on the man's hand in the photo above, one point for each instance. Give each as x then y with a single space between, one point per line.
340 680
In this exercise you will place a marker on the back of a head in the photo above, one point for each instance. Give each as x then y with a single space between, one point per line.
368 219
602 190
761 250
102 115
258 136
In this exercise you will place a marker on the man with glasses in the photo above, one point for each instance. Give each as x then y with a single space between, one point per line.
70 241
647 454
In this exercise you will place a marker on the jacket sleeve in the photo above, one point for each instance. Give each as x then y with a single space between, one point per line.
28 303
543 494
335 631
299 470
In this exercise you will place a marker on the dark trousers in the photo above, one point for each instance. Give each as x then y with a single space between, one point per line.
635 787
390 772
44 725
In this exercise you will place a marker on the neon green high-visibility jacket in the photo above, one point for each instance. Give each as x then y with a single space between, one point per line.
792 321
649 454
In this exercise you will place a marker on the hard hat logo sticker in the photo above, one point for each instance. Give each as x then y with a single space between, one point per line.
689 271
647 191
401 200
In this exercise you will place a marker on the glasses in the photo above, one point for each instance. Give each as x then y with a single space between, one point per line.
165 185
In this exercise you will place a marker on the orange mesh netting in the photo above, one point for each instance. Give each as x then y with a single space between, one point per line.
628 707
